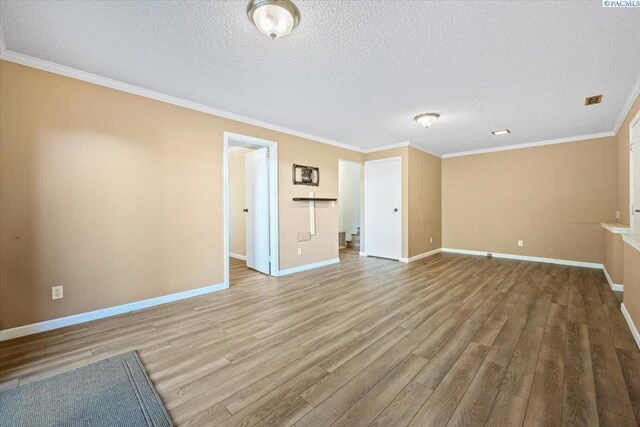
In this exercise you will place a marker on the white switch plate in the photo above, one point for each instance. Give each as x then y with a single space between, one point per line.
431 240
520 243
299 251
617 214
56 292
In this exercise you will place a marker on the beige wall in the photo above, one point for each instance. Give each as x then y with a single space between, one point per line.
631 295
425 202
553 197
237 229
119 198
622 140
613 256
403 153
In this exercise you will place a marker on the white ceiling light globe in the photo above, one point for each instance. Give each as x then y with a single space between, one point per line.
275 18
426 120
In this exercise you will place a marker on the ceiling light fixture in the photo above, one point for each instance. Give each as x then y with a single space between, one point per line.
501 132
427 119
275 18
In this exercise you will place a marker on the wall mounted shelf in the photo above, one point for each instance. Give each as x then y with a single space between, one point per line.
313 199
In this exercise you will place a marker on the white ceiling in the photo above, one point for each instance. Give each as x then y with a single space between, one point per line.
357 72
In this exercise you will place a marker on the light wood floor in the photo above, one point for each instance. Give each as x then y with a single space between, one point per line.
448 340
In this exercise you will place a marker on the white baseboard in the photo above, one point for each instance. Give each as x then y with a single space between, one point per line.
75 319
632 326
527 258
236 256
614 286
309 266
420 256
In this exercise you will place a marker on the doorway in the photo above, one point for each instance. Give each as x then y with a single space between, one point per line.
383 207
349 206
250 206
634 174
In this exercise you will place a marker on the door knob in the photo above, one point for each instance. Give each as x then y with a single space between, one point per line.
245 210
395 209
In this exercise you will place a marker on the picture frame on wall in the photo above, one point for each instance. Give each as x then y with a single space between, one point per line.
306 175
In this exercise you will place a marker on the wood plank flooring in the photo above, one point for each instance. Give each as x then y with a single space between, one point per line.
448 340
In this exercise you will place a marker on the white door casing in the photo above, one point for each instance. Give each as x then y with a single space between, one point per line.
256 172
634 173
383 208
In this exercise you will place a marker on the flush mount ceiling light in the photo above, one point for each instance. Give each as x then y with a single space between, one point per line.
275 18
501 132
427 119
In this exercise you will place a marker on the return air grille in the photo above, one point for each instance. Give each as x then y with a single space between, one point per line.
593 100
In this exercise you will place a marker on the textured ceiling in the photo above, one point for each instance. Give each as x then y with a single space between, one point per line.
357 72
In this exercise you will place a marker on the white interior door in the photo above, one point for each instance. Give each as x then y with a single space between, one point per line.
256 182
383 208
635 176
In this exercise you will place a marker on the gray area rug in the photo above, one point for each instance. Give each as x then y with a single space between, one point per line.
112 392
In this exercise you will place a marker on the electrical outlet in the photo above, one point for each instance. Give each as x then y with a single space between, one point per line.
520 243
617 214
431 240
56 292
299 251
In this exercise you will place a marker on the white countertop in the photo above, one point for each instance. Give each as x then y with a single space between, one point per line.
616 228
632 239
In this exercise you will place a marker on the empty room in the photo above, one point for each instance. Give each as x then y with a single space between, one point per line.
319 213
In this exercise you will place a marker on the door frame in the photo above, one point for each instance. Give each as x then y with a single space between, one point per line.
401 208
273 198
633 122
361 201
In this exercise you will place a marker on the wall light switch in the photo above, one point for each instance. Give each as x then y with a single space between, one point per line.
431 240
299 251
304 237
56 292
617 214
520 243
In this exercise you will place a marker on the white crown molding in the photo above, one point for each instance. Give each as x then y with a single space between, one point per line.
635 93
424 150
62 70
386 147
399 145
526 258
52 67
531 144
75 319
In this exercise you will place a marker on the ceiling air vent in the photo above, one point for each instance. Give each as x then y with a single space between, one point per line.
593 100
